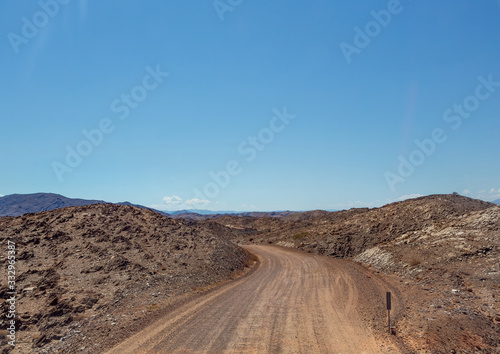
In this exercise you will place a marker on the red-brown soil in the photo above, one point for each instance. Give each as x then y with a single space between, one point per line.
89 277
84 273
441 251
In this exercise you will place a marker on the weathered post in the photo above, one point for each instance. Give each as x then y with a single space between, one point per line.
388 301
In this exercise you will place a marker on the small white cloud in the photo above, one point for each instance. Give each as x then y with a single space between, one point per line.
494 194
172 201
466 192
491 194
195 203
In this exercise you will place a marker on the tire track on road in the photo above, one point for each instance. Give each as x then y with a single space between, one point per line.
293 303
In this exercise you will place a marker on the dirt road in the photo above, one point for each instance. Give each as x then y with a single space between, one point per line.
293 303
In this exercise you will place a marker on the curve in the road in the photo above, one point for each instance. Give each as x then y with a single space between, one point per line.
293 303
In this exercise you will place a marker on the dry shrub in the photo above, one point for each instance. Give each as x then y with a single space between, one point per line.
251 260
415 262
300 235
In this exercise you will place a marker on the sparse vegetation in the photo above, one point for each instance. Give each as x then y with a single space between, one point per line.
251 260
300 235
153 307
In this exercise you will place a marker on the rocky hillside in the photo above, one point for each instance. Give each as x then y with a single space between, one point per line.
442 251
451 270
350 232
104 266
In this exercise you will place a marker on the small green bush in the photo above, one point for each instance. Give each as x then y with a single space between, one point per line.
300 235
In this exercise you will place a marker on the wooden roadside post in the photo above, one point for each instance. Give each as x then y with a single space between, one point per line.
388 302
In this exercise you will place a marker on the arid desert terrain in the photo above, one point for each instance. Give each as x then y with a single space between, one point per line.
124 279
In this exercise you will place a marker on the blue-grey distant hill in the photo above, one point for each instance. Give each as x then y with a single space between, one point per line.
232 212
496 201
197 214
19 204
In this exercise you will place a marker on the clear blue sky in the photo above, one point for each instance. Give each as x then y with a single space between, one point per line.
361 92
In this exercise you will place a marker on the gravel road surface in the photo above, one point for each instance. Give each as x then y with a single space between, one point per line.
293 303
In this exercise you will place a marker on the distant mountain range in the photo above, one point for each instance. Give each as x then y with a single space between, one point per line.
200 212
204 214
20 204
